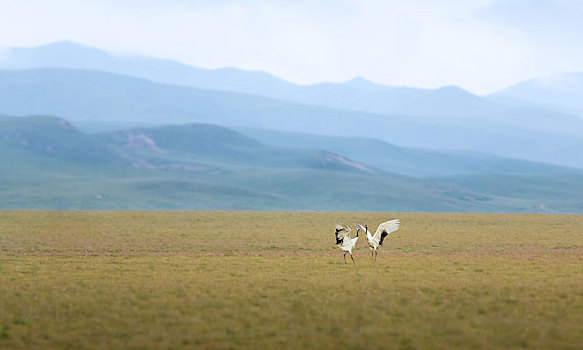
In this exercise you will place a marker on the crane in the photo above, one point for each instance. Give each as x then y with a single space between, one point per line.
376 241
343 240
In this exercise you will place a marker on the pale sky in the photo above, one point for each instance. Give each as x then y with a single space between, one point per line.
480 45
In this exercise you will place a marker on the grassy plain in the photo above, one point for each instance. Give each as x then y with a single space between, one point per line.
109 279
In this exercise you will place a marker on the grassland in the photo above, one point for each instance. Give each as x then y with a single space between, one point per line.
99 279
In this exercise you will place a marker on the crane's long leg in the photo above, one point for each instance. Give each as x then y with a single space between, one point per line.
375 255
352 258
371 254
345 258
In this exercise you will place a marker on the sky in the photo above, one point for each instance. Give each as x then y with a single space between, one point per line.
479 45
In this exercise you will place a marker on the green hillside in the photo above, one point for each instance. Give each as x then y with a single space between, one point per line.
191 166
48 164
546 193
197 144
53 137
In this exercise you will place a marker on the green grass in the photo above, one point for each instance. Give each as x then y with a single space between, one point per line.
105 279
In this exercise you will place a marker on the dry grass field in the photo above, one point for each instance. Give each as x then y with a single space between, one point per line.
100 279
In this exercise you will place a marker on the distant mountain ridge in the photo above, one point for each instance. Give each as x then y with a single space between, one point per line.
164 143
404 161
94 96
357 94
562 92
87 95
67 54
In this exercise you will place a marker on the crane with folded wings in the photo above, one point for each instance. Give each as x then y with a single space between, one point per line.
343 240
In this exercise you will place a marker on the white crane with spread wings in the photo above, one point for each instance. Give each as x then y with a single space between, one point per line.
374 242
343 240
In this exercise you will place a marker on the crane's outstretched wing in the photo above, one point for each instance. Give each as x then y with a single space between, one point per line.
342 231
385 229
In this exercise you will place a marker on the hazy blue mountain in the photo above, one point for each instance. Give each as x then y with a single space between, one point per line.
401 160
93 96
445 102
66 54
357 94
562 92
101 96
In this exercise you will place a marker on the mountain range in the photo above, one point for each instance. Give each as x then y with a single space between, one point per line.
559 91
562 92
357 94
95 96
182 129
402 160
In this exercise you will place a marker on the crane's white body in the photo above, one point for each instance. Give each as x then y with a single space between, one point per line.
343 240
376 241
350 243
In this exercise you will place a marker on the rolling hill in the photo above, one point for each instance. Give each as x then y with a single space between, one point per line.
52 137
193 166
46 163
402 160
95 96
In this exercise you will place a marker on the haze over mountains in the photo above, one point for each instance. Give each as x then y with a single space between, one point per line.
347 133
563 92
357 94
96 96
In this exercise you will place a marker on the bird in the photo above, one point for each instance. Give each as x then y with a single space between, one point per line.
343 240
383 231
